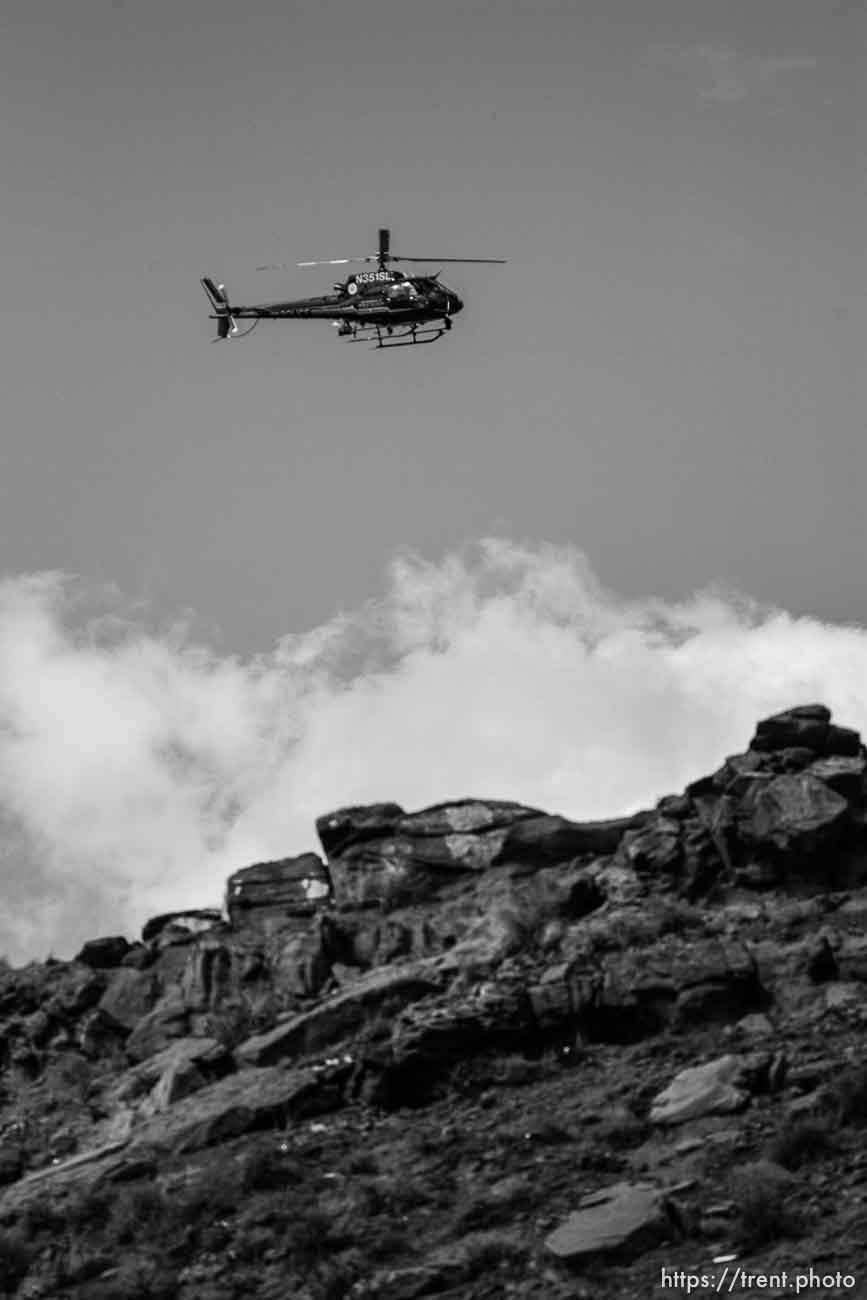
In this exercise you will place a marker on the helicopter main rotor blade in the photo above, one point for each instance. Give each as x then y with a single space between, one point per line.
331 261
491 261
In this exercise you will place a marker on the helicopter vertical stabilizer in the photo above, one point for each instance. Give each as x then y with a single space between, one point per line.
219 300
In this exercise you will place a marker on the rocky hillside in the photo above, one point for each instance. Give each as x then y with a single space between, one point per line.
474 1051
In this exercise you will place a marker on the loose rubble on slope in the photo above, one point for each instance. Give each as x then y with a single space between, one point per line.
474 1051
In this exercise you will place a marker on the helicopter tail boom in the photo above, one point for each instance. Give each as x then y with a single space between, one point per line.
222 312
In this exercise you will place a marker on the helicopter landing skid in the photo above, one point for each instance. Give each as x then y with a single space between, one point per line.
397 336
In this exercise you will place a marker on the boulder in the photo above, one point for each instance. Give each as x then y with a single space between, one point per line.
158 1029
103 954
808 725
338 830
277 891
793 817
130 995
183 924
715 1088
623 1221
654 848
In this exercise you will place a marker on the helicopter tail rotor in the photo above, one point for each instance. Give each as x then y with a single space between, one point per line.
222 313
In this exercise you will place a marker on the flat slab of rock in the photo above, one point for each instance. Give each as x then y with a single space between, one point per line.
251 1099
340 1016
709 1089
625 1220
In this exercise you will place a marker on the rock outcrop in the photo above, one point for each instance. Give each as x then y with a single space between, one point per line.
611 1010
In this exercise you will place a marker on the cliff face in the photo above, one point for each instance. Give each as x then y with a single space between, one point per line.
476 1050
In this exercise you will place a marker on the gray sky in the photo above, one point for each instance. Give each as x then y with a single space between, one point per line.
667 378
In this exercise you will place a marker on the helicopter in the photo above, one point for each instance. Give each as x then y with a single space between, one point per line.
384 307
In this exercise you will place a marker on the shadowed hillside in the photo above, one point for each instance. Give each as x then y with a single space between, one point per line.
474 1051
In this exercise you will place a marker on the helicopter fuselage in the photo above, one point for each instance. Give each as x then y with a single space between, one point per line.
383 298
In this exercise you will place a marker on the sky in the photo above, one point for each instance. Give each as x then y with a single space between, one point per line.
569 554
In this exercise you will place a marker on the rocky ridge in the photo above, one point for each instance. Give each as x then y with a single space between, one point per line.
476 1050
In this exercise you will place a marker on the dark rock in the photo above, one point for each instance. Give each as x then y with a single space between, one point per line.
365 942
103 954
139 957
99 1034
794 817
734 777
821 964
338 830
12 1163
846 776
289 887
584 895
301 966
430 1037
419 853
191 922
718 983
157 1029
544 840
205 979
38 1028
655 848
810 726
130 995
678 806
76 992
793 758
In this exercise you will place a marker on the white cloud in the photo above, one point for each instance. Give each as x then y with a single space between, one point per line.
138 769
